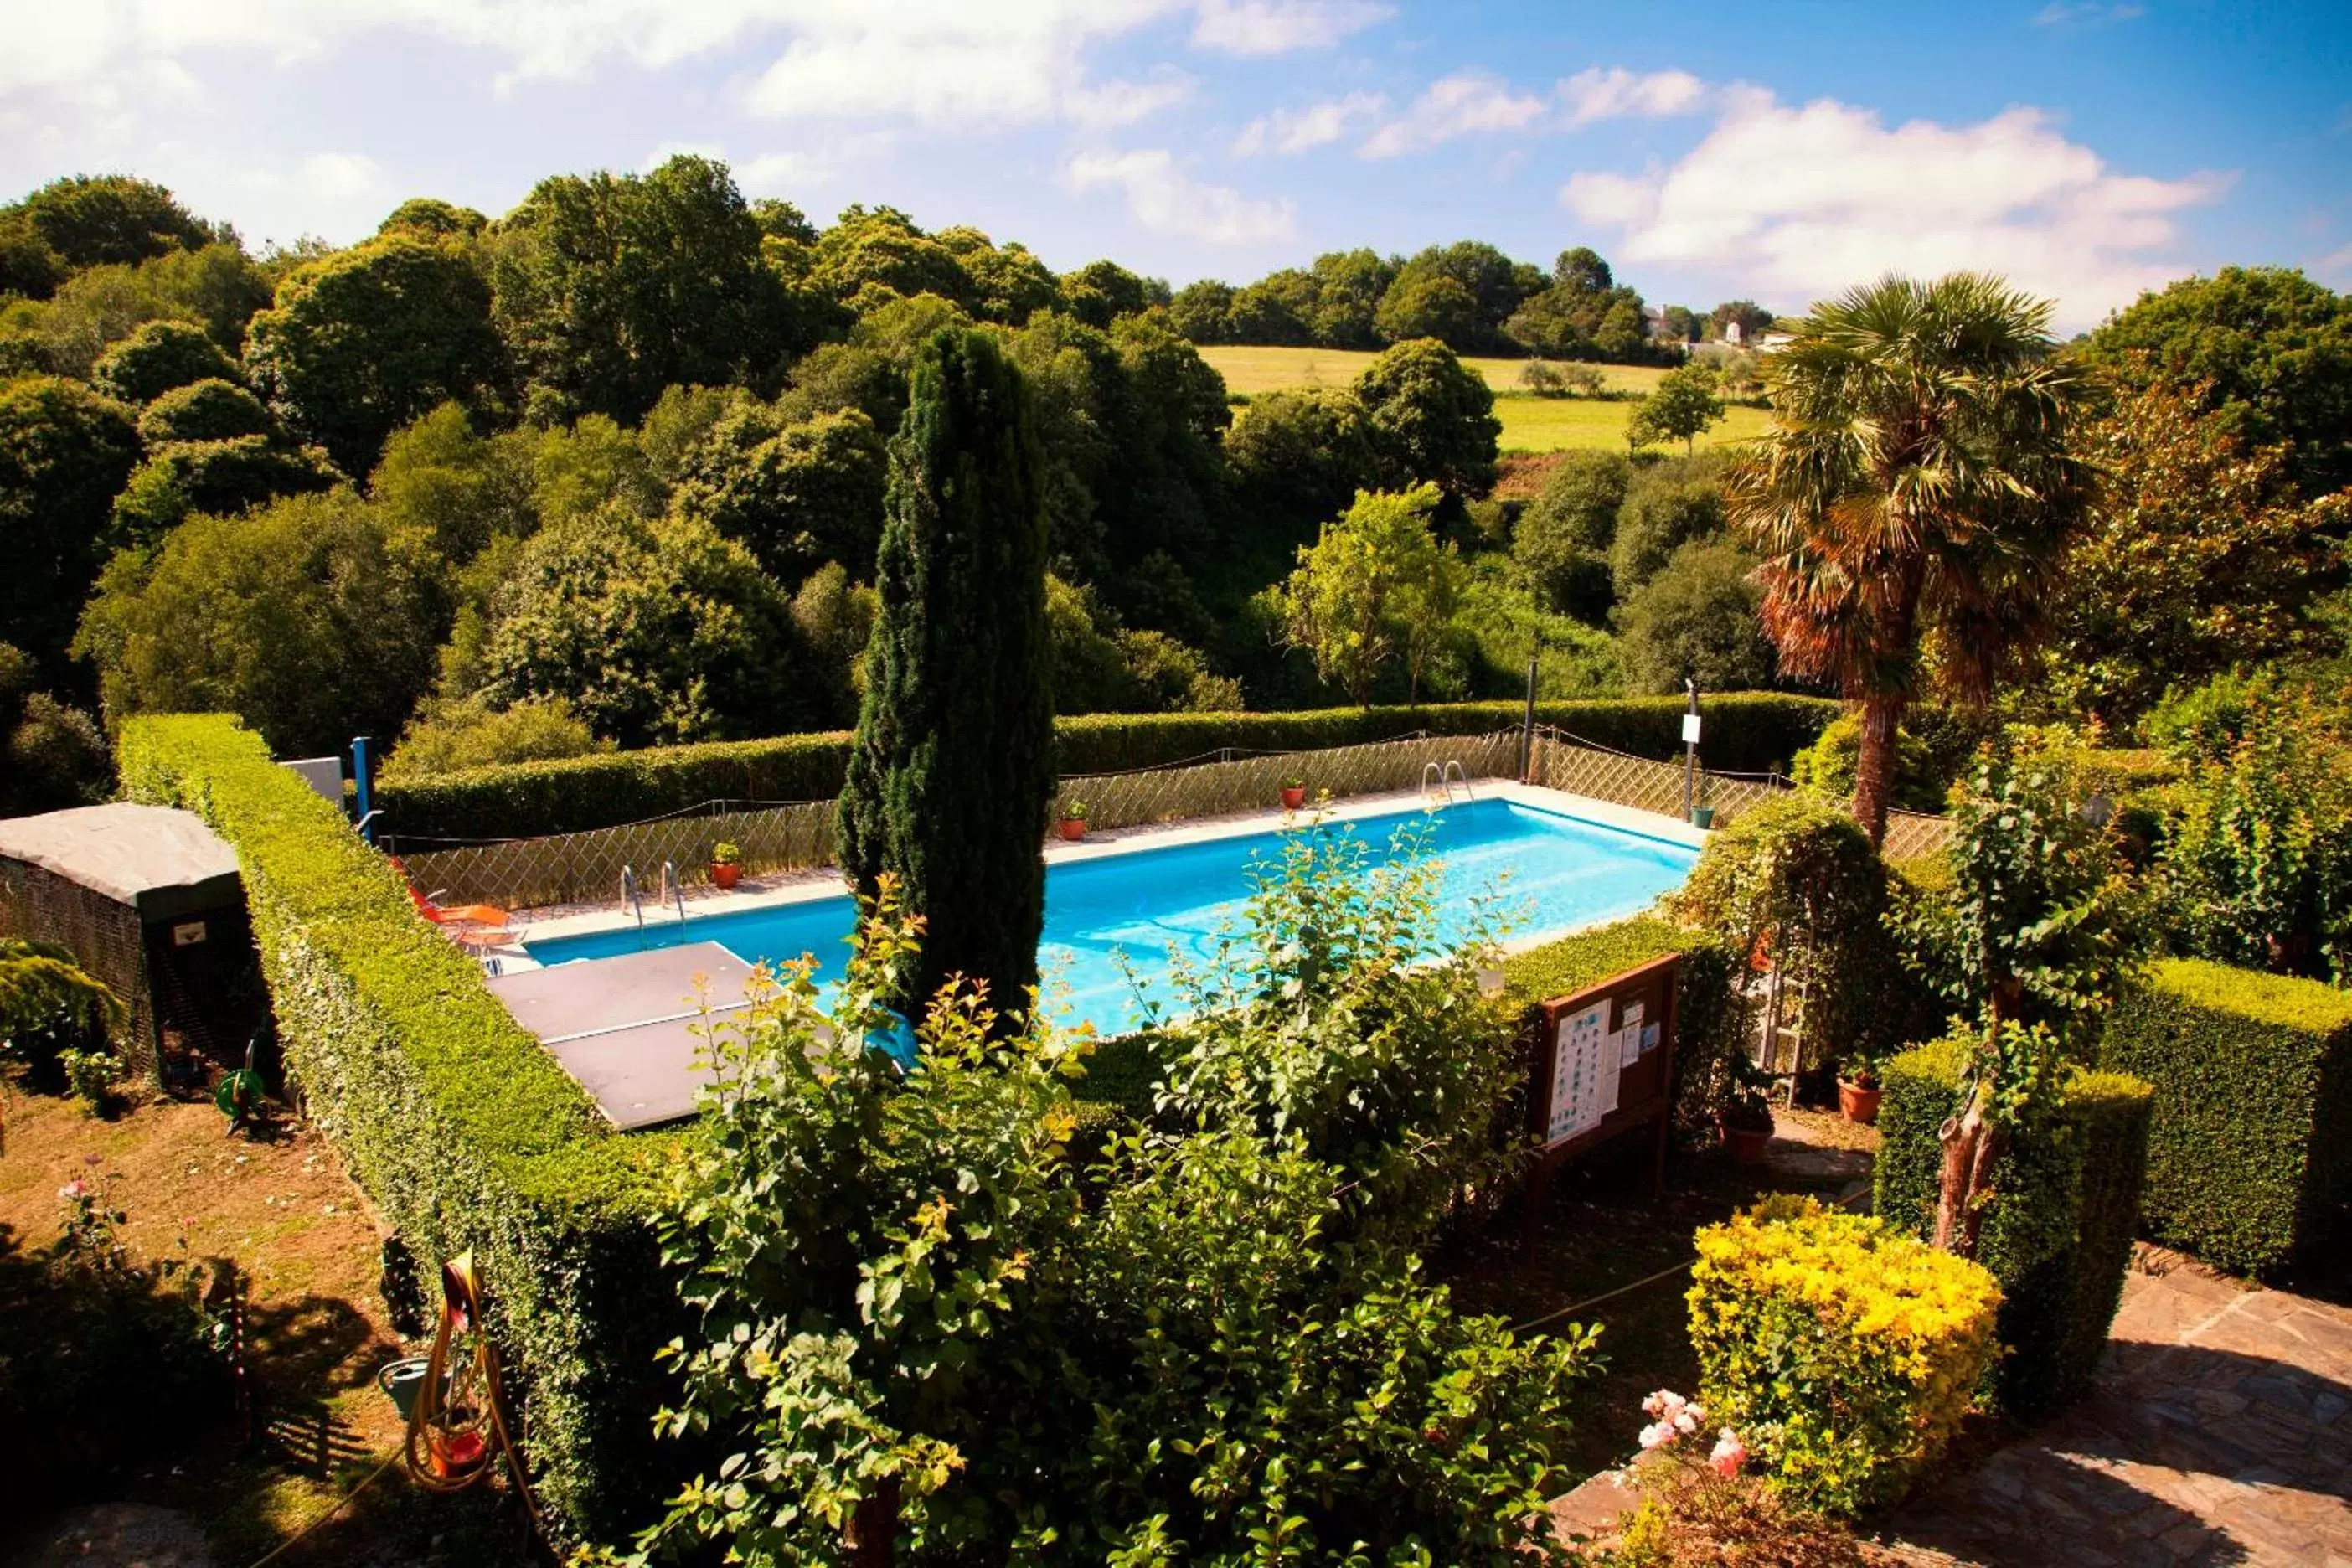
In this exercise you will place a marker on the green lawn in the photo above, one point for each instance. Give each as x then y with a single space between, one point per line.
1529 424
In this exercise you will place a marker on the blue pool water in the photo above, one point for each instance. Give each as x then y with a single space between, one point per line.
1561 871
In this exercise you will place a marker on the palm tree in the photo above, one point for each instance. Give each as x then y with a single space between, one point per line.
1912 498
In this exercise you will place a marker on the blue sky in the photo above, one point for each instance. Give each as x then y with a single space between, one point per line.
1782 151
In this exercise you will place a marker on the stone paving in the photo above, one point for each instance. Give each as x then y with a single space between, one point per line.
2221 1432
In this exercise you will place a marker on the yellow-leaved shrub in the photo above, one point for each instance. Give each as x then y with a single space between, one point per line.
1843 1352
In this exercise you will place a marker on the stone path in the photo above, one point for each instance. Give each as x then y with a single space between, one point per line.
2221 1432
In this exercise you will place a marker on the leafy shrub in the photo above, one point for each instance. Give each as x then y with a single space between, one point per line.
1829 763
105 1356
92 1076
2063 1215
1344 1015
459 1126
51 1007
907 1311
1707 1019
468 734
1746 730
2256 866
1796 882
2250 1155
2205 723
1845 1352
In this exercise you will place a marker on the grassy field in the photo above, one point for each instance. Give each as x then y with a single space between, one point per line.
1256 370
1557 424
1529 424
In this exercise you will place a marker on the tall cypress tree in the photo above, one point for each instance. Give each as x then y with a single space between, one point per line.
953 762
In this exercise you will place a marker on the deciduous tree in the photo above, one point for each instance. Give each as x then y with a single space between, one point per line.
64 453
1430 419
362 341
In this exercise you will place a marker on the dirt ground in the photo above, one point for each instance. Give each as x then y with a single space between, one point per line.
280 1205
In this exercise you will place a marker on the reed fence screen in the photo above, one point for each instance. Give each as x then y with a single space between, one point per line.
782 837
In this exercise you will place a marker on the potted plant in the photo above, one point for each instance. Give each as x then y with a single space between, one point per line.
1074 819
1294 790
1858 1090
1745 1118
725 865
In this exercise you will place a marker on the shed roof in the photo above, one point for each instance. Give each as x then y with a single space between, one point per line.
162 863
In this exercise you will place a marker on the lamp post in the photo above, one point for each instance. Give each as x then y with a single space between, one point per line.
1690 748
1528 722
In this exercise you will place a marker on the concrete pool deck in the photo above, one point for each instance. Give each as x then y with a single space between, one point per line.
784 888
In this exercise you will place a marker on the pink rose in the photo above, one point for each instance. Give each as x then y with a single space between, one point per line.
77 1188
1730 1453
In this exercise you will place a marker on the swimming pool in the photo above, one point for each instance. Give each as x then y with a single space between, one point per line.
1563 873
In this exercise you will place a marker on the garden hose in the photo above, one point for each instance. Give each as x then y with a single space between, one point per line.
460 1419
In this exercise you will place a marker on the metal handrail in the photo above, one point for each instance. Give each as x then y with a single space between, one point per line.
631 897
1453 770
673 890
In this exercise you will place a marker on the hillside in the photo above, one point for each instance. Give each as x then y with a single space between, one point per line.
1529 424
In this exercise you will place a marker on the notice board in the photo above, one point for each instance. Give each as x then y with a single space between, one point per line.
1603 1065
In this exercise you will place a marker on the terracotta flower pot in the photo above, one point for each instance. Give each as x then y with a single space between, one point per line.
1747 1147
726 873
1293 796
1858 1104
1074 828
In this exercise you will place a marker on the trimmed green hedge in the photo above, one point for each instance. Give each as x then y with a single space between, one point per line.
1706 1022
2058 1235
2249 1160
1746 731
459 1126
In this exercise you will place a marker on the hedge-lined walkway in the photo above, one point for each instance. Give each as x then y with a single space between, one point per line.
2220 1432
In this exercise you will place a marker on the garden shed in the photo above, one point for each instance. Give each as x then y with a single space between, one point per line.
150 902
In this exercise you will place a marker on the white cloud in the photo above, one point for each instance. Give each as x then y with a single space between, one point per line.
340 176
1799 203
1459 105
1620 94
932 59
827 159
2337 263
1279 27
1288 130
663 152
2059 13
1163 198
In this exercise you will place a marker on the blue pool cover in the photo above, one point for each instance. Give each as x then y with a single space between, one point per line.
1553 872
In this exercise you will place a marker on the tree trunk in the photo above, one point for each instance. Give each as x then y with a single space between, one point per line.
874 1528
1873 769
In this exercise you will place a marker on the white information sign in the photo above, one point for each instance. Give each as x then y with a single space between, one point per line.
1576 1054
1629 1037
1690 728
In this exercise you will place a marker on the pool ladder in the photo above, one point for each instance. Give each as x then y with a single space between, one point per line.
630 898
1437 783
672 891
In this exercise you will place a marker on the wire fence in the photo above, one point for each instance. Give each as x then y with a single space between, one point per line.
781 837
